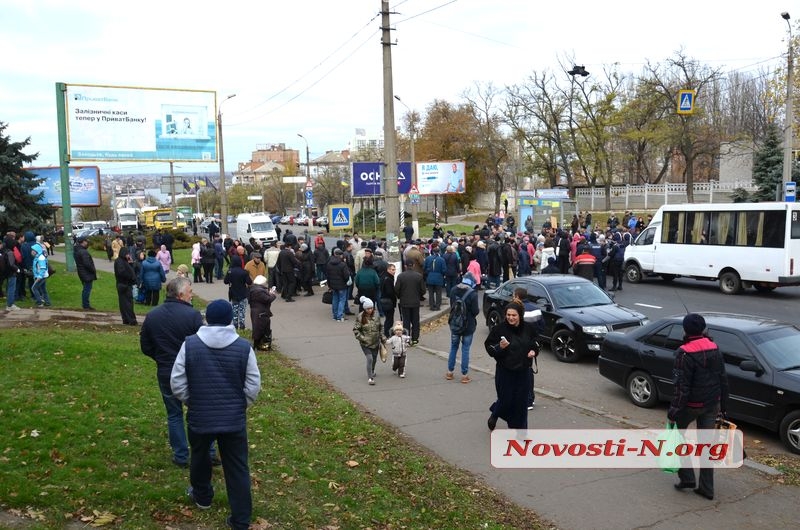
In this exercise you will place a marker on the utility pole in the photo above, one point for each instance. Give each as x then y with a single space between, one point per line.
788 126
223 192
391 201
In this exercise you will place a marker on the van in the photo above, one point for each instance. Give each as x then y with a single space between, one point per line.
256 225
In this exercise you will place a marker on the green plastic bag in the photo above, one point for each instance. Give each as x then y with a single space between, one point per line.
668 461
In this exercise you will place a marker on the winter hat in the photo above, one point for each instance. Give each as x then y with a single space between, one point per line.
398 325
219 313
468 279
303 247
694 324
259 280
366 303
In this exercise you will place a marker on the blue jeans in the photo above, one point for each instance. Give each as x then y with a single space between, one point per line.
339 303
220 262
320 272
85 294
494 281
466 344
233 450
11 290
450 283
39 290
175 425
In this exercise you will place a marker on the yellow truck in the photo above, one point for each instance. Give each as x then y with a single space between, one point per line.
161 218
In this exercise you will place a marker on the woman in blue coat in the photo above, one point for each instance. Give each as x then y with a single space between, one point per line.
152 276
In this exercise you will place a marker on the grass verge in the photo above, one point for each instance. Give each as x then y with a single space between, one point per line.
84 439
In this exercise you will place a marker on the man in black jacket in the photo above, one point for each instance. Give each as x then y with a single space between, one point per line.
86 271
287 263
164 329
410 288
701 393
338 274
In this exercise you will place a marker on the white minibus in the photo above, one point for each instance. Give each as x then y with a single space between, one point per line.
739 244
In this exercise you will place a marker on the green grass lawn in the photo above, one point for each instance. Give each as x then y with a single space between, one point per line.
84 439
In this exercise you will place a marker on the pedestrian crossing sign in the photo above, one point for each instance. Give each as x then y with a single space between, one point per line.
686 101
340 216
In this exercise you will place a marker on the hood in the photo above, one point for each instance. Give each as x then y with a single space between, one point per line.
609 314
217 336
30 237
236 261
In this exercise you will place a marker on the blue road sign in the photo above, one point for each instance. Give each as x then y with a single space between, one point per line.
790 191
340 216
686 101
309 195
367 178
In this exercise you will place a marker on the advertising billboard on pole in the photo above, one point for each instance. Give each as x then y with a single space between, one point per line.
84 185
106 123
367 178
436 178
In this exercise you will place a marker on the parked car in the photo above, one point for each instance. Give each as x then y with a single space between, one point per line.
285 219
762 360
321 220
576 313
276 219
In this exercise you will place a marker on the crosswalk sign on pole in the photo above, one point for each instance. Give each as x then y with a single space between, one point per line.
686 101
340 216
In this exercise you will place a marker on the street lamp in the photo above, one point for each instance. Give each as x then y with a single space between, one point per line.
412 130
308 166
787 131
581 71
223 194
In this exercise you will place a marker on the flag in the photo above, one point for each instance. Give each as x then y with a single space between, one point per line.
200 182
211 184
188 186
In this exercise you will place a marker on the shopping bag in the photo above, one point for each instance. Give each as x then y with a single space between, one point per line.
668 461
382 352
327 297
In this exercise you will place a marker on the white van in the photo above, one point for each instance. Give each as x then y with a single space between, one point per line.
256 225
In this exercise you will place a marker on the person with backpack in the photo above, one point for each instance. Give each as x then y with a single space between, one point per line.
463 321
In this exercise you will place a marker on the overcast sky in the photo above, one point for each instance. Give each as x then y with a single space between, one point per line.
314 66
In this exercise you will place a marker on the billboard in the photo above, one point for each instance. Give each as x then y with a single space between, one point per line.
435 178
84 185
140 124
367 178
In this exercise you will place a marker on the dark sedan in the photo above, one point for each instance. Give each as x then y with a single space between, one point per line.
762 358
576 313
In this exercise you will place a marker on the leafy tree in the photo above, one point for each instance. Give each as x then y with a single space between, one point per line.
768 165
21 209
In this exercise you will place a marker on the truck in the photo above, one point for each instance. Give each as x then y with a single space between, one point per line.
127 219
160 218
256 225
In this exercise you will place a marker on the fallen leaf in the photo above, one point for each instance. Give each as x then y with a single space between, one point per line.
352 463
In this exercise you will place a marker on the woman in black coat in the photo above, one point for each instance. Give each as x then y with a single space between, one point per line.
237 279
260 299
512 344
388 299
208 257
126 278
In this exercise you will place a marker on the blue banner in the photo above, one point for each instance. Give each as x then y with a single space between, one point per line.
84 185
367 178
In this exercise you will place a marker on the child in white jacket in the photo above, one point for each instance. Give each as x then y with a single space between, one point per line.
399 343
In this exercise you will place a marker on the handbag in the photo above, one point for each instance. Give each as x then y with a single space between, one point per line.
668 460
327 297
349 281
383 352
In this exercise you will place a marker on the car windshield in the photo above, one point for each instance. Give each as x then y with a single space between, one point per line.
262 226
780 346
578 295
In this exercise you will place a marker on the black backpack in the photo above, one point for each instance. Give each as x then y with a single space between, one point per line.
459 316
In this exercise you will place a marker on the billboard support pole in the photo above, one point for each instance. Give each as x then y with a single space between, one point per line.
63 161
172 192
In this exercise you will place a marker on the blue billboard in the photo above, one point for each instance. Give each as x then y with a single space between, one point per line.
366 178
84 185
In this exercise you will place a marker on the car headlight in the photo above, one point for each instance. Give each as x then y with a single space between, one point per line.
595 330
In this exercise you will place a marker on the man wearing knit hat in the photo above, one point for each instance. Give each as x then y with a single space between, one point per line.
217 377
701 393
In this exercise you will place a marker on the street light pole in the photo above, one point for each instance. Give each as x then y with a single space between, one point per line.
788 135
308 167
223 194
412 130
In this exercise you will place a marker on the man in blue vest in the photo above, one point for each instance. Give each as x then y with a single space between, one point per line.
217 377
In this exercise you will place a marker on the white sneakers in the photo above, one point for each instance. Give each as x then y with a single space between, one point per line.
12 307
371 381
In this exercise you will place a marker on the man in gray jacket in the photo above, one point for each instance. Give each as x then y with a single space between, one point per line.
217 377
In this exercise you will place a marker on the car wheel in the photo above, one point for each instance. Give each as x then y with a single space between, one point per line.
642 389
790 431
633 274
493 318
730 283
563 346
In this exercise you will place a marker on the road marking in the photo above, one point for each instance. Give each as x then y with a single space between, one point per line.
650 306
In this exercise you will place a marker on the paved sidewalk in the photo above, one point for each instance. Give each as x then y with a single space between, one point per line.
449 418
